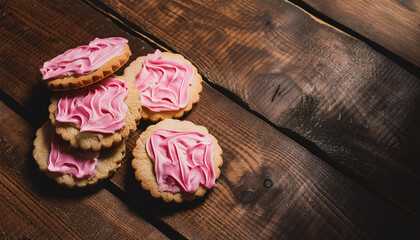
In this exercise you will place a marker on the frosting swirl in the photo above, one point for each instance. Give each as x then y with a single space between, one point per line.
84 59
97 108
164 84
182 160
66 160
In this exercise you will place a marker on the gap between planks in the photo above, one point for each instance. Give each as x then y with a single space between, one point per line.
305 143
301 5
325 20
144 213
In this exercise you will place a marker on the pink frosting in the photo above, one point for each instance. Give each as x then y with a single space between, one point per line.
84 59
97 108
67 160
182 160
163 84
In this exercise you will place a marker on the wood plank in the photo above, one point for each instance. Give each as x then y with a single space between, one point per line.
393 24
34 207
356 108
270 187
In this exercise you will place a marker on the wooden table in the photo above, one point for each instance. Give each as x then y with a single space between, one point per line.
316 105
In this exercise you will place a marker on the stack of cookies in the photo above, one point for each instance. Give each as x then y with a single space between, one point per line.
91 115
95 111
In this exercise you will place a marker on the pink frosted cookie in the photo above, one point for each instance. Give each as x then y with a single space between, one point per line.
168 83
85 65
73 167
98 116
177 160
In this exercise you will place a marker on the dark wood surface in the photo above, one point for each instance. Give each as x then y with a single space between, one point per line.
284 176
393 24
305 190
357 107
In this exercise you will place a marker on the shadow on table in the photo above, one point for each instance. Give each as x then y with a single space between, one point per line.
141 200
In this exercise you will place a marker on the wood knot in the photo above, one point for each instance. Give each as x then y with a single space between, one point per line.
247 197
266 22
268 183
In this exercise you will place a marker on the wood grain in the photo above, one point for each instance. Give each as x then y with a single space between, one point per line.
356 108
394 24
35 207
270 187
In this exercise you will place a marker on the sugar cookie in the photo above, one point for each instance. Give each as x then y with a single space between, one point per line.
177 160
85 65
169 84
